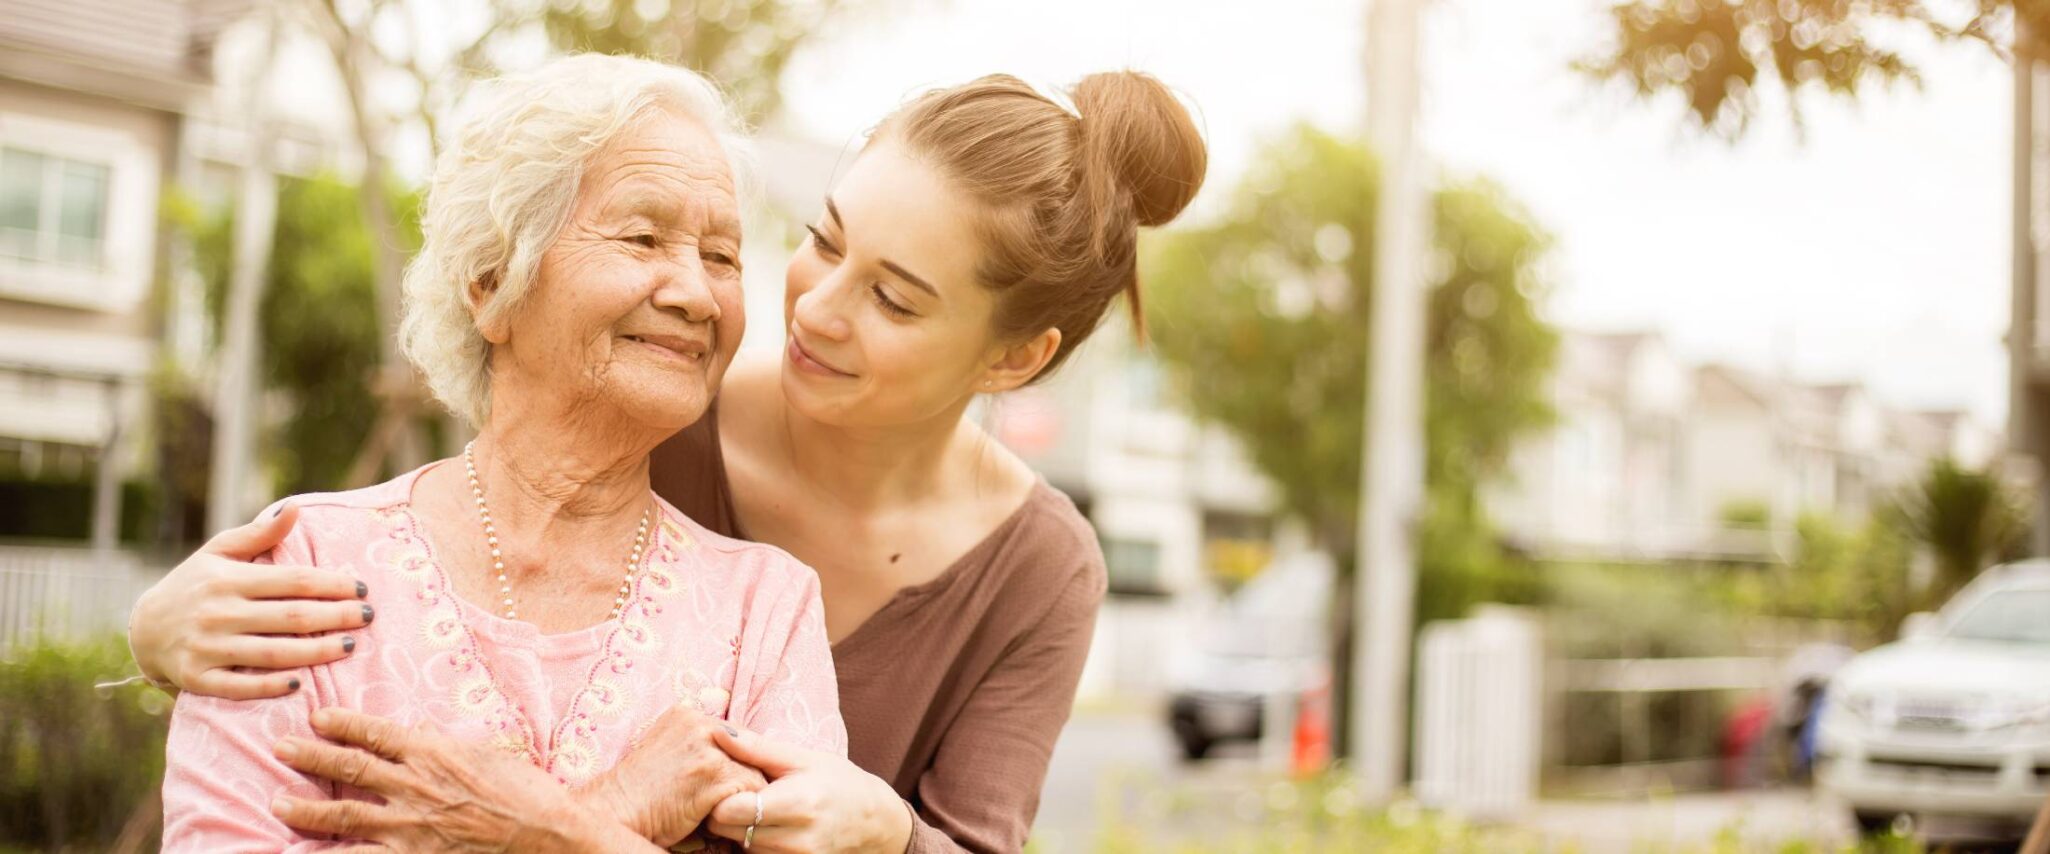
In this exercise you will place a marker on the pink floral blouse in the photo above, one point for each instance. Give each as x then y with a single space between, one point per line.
733 628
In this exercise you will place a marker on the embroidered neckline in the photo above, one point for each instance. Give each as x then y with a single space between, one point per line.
571 747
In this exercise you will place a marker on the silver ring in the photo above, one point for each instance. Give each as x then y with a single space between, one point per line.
749 841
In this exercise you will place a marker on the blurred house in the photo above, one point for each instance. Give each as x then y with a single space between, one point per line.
1654 459
94 100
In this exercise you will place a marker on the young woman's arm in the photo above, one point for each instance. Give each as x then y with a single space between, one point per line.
982 790
219 610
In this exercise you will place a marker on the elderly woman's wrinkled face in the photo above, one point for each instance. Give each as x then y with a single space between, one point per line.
888 323
636 311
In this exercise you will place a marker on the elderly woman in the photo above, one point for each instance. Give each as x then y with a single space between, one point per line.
577 298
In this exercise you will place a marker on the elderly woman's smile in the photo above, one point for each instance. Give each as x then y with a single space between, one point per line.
675 347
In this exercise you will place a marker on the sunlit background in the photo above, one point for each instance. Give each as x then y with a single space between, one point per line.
1719 316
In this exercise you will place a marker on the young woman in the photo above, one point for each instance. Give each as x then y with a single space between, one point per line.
976 241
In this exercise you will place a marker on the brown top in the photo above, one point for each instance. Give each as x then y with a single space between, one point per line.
955 690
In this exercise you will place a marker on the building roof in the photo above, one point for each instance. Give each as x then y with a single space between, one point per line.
1741 383
153 52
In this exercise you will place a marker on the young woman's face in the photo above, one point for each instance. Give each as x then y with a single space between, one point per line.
887 322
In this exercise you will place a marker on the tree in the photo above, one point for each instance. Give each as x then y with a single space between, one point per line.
1261 322
745 44
319 319
1718 54
1967 519
1854 572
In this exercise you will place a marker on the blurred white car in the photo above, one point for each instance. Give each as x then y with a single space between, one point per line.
1267 640
1953 720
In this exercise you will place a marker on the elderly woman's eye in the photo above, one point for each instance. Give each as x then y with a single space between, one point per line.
644 239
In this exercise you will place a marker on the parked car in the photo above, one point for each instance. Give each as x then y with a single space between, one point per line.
1267 640
1954 719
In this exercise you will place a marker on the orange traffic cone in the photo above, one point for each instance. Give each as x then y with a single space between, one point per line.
1312 743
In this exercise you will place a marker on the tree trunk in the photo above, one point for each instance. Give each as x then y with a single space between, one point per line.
396 437
135 832
234 404
1341 629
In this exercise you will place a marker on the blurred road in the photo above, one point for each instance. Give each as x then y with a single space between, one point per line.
1109 759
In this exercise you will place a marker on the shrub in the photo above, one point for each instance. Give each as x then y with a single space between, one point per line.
79 766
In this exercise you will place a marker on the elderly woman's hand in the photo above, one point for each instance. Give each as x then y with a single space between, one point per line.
672 777
815 802
439 795
217 612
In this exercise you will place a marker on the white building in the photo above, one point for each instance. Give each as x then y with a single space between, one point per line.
1651 455
94 96
1606 476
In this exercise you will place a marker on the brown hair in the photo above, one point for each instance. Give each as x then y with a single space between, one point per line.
1064 195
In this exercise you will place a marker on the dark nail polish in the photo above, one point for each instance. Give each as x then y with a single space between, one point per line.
731 731
274 511
292 684
362 590
368 614
348 644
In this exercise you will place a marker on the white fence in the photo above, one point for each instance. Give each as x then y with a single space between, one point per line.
1485 687
1479 709
66 592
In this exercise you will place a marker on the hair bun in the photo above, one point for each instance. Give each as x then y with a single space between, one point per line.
1133 126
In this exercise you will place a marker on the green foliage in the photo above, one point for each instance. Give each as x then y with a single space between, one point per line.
181 430
1324 814
61 508
743 44
1262 321
1660 610
1967 519
1261 814
1718 54
79 766
318 322
1857 574
1746 514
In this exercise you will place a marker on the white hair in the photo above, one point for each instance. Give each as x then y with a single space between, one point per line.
505 185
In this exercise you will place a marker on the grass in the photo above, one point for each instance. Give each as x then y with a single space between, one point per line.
1326 814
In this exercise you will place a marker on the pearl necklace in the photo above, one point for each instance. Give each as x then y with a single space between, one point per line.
633 563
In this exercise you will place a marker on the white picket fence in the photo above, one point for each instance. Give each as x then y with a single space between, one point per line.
1479 713
66 593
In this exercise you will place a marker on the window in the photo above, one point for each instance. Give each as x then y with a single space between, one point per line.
1134 566
2007 616
53 210
13 456
1236 546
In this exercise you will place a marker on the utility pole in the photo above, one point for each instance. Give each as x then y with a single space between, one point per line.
256 203
1392 476
107 475
2025 406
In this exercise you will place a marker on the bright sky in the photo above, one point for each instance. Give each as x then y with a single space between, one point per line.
1876 249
